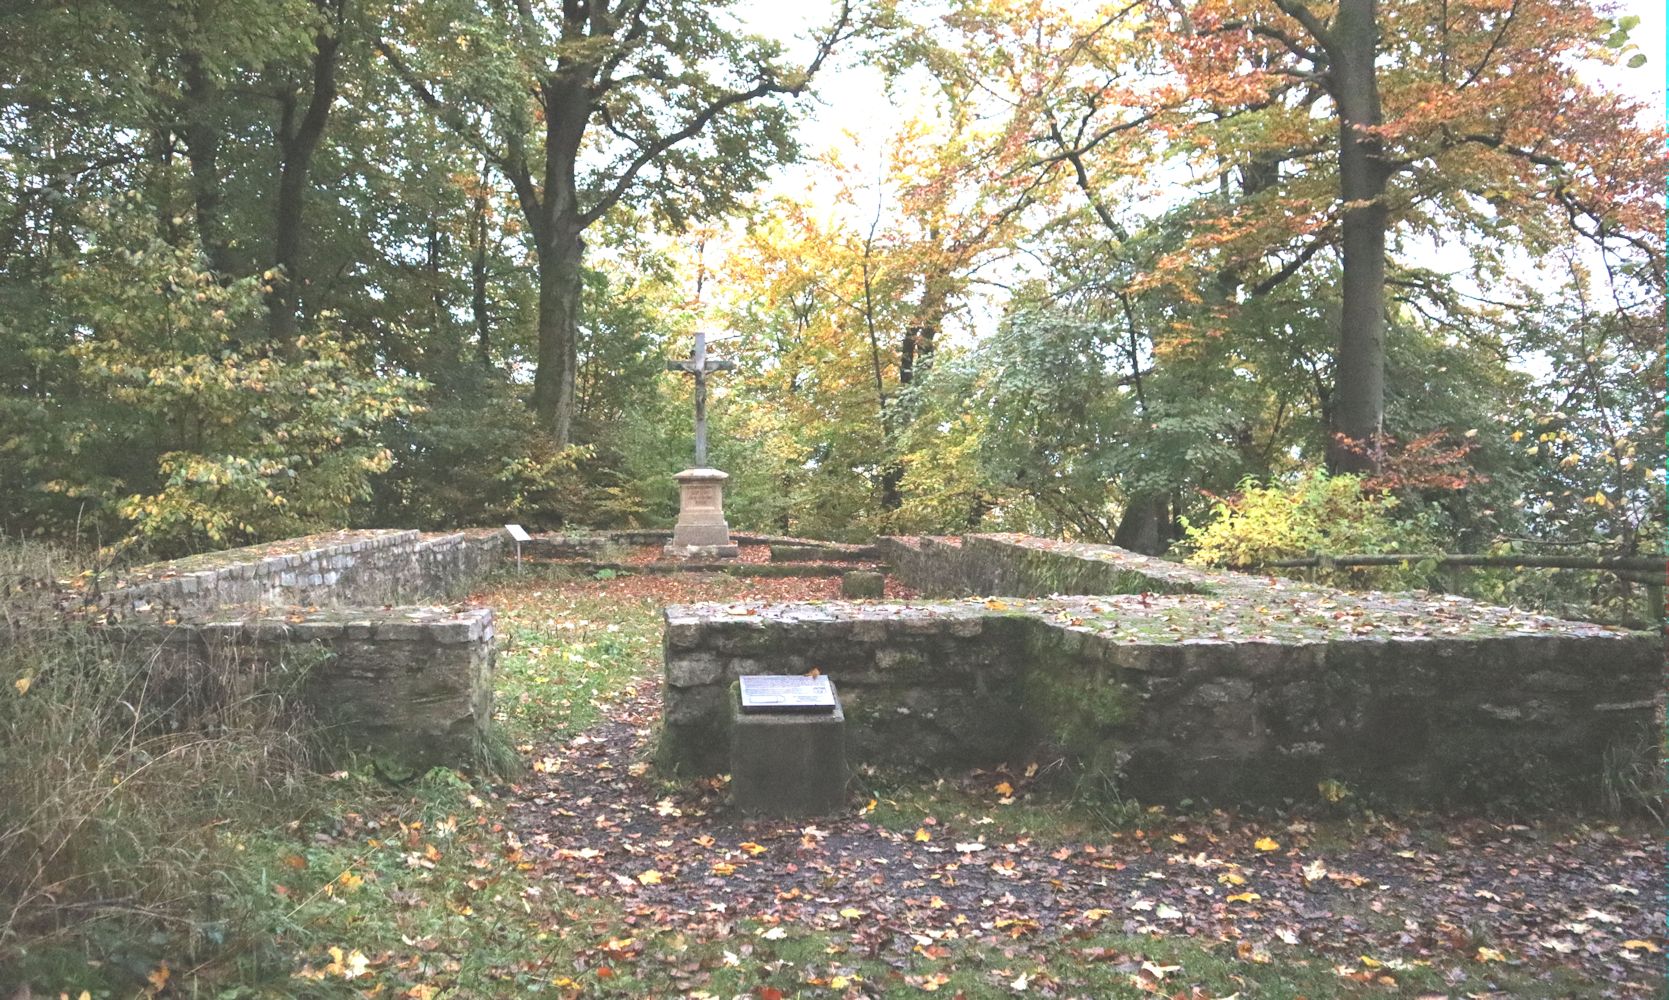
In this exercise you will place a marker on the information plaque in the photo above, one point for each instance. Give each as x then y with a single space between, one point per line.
787 693
518 533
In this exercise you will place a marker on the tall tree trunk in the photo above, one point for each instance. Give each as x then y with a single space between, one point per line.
1359 380
1144 526
558 229
434 261
201 130
560 286
297 141
478 276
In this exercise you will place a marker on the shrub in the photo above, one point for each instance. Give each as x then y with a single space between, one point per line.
1312 513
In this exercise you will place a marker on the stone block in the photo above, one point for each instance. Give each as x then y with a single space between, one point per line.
787 764
694 705
686 670
862 583
407 631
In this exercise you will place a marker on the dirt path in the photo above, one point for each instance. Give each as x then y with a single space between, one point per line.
1439 893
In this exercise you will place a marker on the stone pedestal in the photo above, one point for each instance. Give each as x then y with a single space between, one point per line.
787 763
701 531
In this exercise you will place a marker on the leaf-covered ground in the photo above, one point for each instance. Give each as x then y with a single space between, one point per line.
587 876
981 884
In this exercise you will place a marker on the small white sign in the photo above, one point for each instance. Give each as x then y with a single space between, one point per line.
518 533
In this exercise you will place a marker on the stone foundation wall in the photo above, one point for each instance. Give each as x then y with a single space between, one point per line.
411 683
1022 566
584 546
942 687
1501 712
343 568
414 684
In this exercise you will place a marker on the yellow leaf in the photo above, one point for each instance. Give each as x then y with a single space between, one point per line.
1244 897
996 605
356 965
851 913
1232 878
1267 844
754 849
1004 788
1635 944
22 685
922 836
650 877
1490 955
1372 963
1179 838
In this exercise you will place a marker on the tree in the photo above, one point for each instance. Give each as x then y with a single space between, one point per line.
1447 116
581 106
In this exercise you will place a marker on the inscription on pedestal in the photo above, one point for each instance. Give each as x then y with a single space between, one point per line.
778 693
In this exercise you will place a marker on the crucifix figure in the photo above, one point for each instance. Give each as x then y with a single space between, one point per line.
700 365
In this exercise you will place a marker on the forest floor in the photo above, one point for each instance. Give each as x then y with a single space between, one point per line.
587 875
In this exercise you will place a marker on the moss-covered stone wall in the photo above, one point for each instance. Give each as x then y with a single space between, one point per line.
371 568
413 684
1297 694
1023 566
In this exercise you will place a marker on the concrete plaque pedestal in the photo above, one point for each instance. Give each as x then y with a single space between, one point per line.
701 531
787 763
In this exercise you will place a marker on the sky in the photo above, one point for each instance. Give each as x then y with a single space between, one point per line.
852 114
851 99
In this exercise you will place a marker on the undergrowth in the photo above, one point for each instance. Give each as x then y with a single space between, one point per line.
118 780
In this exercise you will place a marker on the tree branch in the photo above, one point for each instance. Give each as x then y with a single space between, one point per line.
650 151
1291 268
1494 45
1296 10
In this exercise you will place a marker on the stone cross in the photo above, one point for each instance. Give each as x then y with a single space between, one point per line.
700 365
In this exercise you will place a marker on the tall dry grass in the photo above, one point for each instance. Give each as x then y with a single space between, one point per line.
122 772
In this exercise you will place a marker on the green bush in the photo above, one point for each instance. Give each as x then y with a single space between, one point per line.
1314 513
167 422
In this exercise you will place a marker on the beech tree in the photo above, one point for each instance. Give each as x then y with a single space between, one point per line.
583 104
1447 117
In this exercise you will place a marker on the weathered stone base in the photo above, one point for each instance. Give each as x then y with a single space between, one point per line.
413 684
786 763
701 531
862 583
703 551
1308 694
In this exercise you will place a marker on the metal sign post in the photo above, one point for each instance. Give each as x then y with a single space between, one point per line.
520 535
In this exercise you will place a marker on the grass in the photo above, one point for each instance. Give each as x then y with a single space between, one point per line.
217 872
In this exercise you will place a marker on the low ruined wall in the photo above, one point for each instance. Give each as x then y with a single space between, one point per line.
343 568
413 684
1022 566
940 688
410 683
1502 711
587 546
